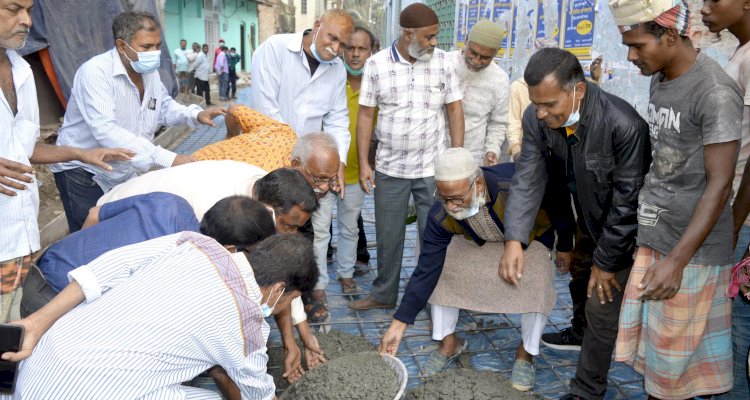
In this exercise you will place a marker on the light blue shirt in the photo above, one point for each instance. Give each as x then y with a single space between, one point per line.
105 110
284 90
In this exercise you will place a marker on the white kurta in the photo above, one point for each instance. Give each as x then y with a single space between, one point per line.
485 105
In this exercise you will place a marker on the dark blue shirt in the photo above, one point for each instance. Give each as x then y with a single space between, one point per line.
130 220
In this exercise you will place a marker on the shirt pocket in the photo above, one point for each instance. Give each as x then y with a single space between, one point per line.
436 90
26 133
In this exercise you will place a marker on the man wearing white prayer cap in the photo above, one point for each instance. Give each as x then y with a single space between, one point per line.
485 87
456 270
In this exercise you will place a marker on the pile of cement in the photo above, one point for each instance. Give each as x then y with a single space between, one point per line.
467 384
362 376
334 344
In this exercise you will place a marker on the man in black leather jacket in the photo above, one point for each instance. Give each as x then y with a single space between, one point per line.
600 146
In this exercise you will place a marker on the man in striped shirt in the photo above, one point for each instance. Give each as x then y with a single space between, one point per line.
118 100
157 314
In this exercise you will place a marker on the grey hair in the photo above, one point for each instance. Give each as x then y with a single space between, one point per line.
476 174
128 23
314 142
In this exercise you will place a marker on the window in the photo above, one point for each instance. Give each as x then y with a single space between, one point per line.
303 7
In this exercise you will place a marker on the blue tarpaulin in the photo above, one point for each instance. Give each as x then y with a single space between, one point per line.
77 30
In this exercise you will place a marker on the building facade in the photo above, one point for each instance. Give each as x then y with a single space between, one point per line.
207 21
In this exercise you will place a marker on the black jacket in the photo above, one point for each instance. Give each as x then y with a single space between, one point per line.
609 162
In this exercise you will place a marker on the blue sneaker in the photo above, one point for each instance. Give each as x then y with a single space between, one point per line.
522 376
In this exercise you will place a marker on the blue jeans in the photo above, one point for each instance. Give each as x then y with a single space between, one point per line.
740 331
224 85
78 193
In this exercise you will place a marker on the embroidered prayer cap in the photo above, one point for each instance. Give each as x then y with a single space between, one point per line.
486 33
673 14
417 15
454 164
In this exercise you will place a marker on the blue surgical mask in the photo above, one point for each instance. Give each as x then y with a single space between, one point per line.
575 116
352 71
148 61
268 310
314 50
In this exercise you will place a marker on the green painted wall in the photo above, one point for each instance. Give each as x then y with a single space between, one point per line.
184 19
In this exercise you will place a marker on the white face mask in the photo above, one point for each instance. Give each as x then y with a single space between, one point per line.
575 116
268 310
477 202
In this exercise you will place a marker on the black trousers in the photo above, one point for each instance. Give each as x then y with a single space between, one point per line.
599 338
233 82
203 89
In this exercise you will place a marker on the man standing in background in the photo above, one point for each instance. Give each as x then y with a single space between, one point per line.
485 88
202 69
181 66
222 70
233 58
414 85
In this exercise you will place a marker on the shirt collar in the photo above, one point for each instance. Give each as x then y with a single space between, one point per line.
295 44
117 67
397 56
19 66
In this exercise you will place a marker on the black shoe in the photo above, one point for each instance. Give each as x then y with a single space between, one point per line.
571 396
566 339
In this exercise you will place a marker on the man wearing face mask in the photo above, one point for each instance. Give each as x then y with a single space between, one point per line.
118 100
198 304
298 79
485 88
599 146
456 264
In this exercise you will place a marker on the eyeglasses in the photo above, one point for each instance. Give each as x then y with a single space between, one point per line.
456 201
317 181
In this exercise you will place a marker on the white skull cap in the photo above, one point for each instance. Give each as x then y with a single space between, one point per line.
454 164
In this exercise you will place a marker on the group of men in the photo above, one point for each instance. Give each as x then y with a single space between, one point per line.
638 211
193 68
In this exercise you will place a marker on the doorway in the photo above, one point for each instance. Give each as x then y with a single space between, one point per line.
242 46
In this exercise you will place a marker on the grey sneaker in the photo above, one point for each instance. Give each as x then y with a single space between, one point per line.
438 361
522 376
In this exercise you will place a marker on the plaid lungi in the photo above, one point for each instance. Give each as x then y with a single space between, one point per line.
682 346
12 274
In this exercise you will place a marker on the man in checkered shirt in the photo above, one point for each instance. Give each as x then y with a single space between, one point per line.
415 87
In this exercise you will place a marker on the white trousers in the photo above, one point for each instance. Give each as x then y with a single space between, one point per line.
444 320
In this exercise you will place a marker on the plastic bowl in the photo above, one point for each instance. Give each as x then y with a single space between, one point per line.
400 369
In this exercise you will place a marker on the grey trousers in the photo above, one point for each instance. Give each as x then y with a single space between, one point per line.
391 203
36 292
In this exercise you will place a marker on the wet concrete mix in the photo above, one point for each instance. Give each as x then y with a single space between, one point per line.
335 344
360 376
467 384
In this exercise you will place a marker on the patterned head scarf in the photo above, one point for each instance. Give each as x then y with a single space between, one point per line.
672 14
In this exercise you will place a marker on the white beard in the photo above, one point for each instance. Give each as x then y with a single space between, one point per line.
416 52
478 201
465 75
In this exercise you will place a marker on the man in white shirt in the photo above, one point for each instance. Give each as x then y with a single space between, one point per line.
160 312
191 55
19 122
118 100
181 65
485 88
298 79
415 87
202 68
